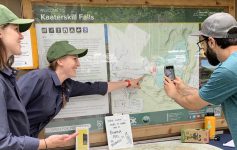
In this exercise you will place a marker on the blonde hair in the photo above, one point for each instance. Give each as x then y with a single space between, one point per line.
53 65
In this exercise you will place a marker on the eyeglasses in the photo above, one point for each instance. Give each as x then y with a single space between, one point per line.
200 44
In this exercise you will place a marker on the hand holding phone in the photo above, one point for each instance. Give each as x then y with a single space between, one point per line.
169 72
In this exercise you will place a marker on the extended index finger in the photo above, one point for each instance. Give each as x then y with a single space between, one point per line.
71 136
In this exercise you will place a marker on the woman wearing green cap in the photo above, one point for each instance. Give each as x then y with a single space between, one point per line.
53 86
14 124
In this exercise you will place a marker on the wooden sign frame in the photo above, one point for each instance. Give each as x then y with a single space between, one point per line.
149 131
32 43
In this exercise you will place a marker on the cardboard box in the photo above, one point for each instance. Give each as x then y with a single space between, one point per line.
195 135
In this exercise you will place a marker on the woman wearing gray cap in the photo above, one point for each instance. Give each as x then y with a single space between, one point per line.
14 124
51 87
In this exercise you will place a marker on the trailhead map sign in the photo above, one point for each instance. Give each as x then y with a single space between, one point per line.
124 43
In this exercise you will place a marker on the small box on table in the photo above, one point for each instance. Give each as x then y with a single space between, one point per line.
195 135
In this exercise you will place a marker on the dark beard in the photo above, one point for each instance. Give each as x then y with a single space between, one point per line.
211 56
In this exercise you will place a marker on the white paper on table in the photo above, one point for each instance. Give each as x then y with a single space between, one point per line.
229 144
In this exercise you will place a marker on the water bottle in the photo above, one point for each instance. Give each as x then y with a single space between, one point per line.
210 122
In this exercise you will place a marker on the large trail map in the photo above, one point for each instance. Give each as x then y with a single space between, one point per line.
144 50
124 43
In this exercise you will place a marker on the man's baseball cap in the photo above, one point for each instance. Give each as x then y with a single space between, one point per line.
63 48
217 26
8 17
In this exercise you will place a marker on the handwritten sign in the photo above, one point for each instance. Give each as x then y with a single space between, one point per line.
118 130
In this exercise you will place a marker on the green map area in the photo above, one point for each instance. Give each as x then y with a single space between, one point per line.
146 49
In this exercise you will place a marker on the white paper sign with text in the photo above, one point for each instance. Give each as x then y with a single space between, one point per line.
118 130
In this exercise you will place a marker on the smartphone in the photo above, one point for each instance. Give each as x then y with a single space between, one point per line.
169 72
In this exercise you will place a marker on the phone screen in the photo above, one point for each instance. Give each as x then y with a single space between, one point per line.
169 72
